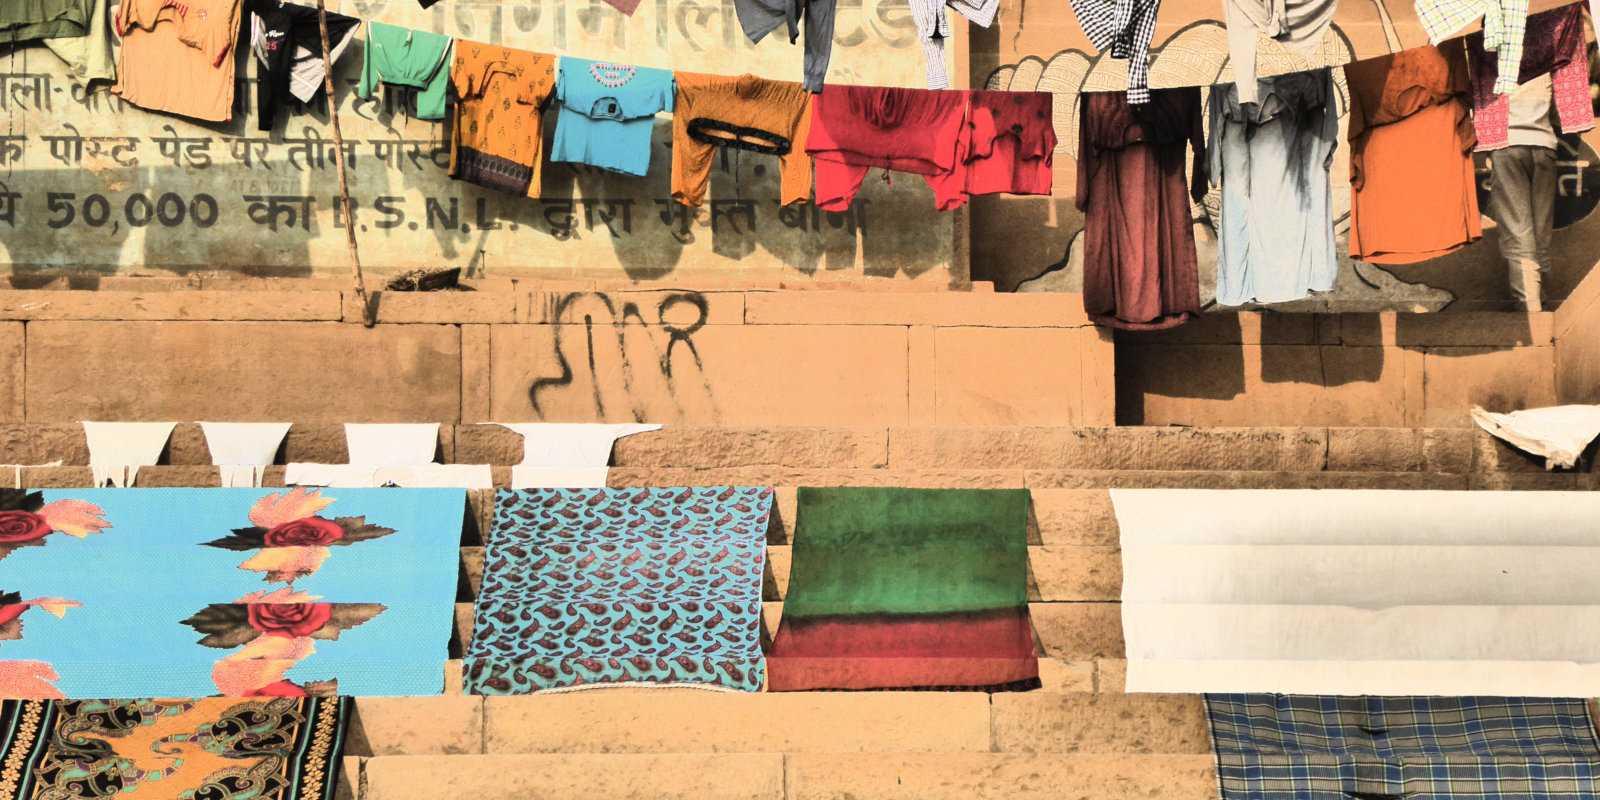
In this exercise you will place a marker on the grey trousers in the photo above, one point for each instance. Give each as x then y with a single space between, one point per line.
1522 202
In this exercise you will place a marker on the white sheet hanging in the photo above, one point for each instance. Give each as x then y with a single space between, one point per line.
1559 433
118 449
242 450
1361 592
567 455
391 455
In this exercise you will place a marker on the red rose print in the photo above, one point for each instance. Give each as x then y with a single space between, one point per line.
289 619
21 527
280 689
303 532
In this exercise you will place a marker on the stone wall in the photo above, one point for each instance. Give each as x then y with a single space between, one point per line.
1577 327
88 182
570 355
1040 46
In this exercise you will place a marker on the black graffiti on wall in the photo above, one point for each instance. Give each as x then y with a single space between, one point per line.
598 313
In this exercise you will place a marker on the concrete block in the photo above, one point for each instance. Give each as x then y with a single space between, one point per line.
1062 676
435 307
624 720
679 776
13 361
726 375
1074 517
1004 376
809 447
1039 722
1242 327
1241 479
311 371
787 476
41 443
1130 448
391 726
681 309
1039 310
992 776
1400 449
1078 631
188 304
1075 573
475 383
1458 378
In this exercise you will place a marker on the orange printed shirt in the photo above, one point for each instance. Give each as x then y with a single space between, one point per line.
177 56
500 92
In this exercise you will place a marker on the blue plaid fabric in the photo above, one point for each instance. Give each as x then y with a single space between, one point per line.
1307 747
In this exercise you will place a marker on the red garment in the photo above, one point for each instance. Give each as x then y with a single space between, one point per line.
1555 45
1014 142
856 128
1140 271
984 650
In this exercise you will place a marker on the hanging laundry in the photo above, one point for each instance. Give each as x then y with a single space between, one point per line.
742 113
1412 189
283 748
627 7
498 136
89 57
427 3
26 20
1271 159
287 42
1504 26
608 113
260 593
118 449
413 60
1299 25
856 128
1124 27
1560 434
1320 747
761 17
587 588
1139 262
1555 55
178 57
907 589
243 450
1013 143
567 454
391 455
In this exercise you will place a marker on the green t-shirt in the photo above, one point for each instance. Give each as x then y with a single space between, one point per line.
24 20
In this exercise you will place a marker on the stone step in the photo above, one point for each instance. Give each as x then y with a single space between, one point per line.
775 451
1071 631
679 720
801 776
1067 573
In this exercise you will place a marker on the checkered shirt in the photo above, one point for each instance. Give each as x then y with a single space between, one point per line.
1504 23
1306 747
1124 27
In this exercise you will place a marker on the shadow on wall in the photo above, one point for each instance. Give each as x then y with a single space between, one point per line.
1344 369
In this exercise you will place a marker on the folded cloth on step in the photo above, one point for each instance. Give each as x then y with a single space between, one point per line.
1558 433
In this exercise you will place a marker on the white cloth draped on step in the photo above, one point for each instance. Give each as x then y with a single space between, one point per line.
118 449
1361 592
562 455
1559 433
391 455
242 450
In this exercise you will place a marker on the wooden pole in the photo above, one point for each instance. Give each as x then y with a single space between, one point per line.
368 313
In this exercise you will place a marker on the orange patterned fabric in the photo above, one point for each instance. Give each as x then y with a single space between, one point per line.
499 97
744 112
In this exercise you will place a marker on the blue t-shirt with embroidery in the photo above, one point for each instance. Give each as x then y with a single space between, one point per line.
608 112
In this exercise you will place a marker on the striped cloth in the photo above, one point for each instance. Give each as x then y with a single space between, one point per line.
1124 27
1309 747
1504 24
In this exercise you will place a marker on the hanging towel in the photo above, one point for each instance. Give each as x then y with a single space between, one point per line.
605 587
1307 747
1559 433
238 592
907 589
118 449
1361 592
391 455
283 748
242 449
569 455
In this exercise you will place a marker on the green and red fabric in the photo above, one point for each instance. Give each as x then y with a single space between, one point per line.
907 589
